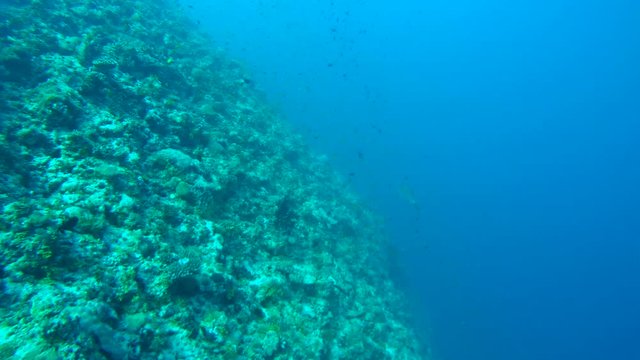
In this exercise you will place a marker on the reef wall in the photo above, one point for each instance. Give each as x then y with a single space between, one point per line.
152 206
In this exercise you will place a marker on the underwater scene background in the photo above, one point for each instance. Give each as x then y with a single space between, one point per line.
499 139
319 180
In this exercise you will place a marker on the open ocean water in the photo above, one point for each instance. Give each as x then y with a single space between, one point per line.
501 141
154 205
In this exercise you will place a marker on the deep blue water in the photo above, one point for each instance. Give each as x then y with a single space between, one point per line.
501 139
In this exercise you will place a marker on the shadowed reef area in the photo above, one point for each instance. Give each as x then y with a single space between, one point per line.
152 206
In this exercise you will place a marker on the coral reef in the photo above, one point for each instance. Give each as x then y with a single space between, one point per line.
152 206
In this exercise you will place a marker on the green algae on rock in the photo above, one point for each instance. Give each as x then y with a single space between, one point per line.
154 207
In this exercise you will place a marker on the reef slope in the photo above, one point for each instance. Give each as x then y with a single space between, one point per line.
152 206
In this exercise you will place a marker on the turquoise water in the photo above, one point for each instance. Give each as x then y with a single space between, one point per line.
500 140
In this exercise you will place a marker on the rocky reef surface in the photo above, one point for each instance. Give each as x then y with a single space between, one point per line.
153 206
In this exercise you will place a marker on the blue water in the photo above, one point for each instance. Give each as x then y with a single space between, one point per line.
500 139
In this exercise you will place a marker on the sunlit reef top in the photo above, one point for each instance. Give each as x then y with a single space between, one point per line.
154 207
